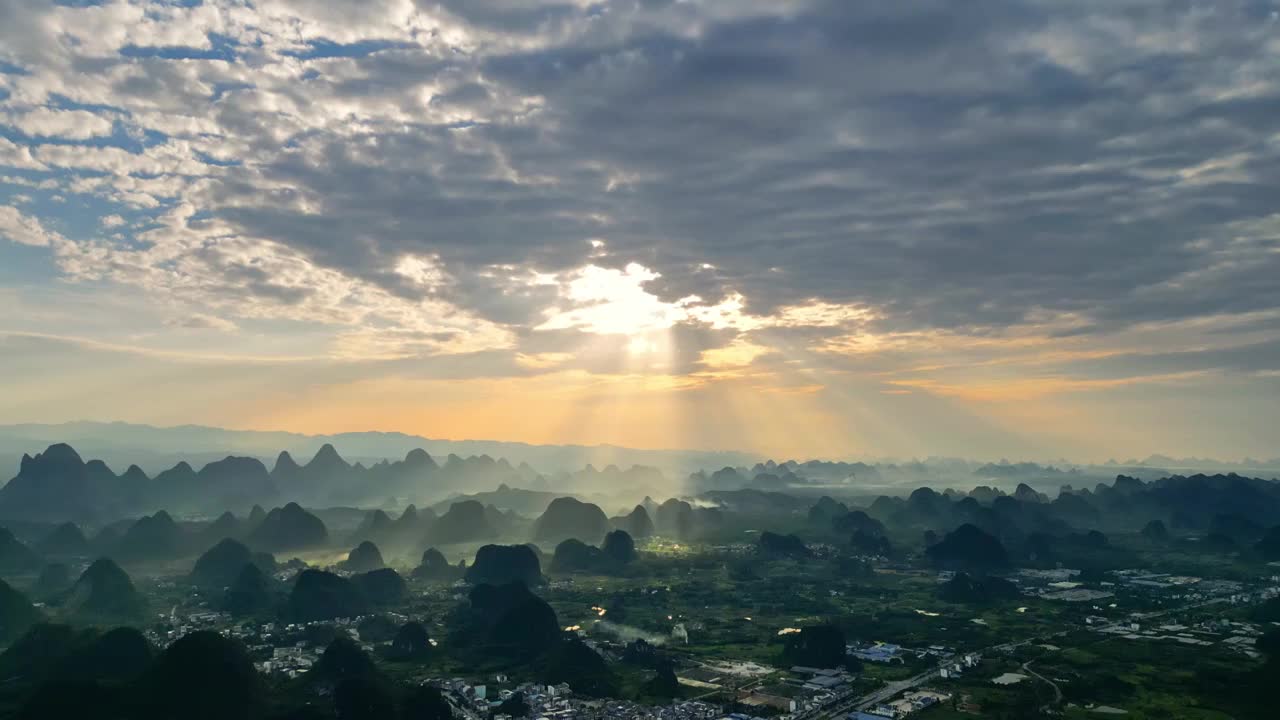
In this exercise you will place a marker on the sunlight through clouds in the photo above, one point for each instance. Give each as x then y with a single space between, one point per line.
1058 203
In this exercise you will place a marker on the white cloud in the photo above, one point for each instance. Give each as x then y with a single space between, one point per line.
202 321
45 122
24 229
18 156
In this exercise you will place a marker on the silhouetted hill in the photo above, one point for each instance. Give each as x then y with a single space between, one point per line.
426 703
674 518
61 658
858 521
502 564
1269 546
573 555
164 443
326 474
342 660
104 593
782 546
381 587
568 517
289 528
151 538
572 661
968 547
1155 531
365 557
252 591
320 595
963 589
17 614
509 620
375 527
406 532
37 652
754 501
434 566
66 540
58 485
227 525
287 474
464 521
233 482
619 548
865 543
221 564
55 579
204 676
826 510
412 642
121 653
16 557
520 500
637 523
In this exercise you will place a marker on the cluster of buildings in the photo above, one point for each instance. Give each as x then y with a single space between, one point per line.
877 652
557 702
286 648
1059 584
1239 636
172 626
805 691
956 666
291 660
1191 589
909 703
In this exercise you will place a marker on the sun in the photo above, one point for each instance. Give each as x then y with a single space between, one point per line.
641 345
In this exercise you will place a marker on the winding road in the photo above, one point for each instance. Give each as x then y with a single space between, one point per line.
1057 692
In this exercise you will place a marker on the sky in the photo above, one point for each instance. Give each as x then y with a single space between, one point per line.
804 228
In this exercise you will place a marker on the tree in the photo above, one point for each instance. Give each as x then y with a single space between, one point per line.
205 676
427 703
364 697
820 646
664 684
341 660
515 706
411 642
1155 531
320 595
619 547
573 662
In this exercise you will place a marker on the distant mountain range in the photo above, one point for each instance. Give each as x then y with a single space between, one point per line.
74 479
58 484
156 448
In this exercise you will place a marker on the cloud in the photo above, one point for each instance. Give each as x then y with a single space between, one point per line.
911 191
45 122
200 321
24 229
969 167
17 156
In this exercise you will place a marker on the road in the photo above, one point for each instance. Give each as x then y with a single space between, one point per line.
890 690
1057 692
